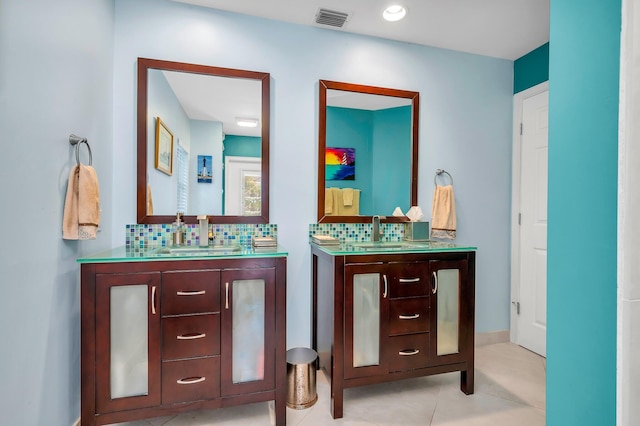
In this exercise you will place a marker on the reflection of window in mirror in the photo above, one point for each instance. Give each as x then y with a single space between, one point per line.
214 113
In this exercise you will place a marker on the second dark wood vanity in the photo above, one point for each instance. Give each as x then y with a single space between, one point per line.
386 316
164 335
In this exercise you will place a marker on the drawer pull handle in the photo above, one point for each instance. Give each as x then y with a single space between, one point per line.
190 380
434 288
409 280
191 336
409 352
386 286
409 317
226 295
191 293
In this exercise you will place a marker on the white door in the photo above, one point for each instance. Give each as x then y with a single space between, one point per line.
242 177
530 271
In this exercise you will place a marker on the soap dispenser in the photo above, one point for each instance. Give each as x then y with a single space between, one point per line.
178 230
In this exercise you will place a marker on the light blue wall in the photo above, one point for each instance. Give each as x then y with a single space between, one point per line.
206 139
56 75
465 126
583 140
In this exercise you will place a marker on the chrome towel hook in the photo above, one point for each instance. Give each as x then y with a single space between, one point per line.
440 172
77 141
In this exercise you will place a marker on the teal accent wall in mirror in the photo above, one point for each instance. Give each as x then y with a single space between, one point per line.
368 145
210 164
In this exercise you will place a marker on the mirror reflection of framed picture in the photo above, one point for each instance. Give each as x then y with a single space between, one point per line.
164 147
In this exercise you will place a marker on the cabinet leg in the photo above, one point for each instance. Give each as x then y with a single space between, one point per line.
467 381
337 394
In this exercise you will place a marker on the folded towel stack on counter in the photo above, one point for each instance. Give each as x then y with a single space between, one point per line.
259 242
324 240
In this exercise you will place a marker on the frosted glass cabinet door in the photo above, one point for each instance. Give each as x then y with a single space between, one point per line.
450 310
366 319
248 330
127 342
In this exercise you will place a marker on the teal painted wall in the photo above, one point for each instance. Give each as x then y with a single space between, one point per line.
583 140
353 128
391 153
531 69
382 140
242 146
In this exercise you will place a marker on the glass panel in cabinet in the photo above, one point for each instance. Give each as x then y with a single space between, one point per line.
248 324
448 318
366 319
129 345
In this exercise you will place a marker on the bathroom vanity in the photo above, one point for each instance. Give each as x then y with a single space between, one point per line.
389 311
164 333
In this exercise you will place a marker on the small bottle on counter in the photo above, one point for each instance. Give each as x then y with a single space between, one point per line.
178 230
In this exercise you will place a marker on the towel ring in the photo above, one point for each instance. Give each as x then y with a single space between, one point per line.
77 141
440 172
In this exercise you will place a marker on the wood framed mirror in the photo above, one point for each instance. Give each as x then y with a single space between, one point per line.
367 152
223 163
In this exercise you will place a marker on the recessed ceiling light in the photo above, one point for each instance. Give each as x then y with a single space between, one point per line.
247 122
394 13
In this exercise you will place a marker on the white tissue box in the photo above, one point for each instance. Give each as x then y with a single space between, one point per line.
416 231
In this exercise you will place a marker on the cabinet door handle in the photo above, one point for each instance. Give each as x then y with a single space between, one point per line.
434 289
409 352
409 280
191 293
153 300
386 286
191 336
226 295
409 317
190 380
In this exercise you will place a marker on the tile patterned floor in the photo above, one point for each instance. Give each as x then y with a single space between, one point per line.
510 390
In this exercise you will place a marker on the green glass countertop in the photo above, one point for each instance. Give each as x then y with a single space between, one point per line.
124 254
391 247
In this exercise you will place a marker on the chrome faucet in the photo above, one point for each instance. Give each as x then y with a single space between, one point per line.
375 228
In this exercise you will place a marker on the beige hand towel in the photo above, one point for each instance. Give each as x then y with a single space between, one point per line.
328 200
443 219
149 201
347 197
82 205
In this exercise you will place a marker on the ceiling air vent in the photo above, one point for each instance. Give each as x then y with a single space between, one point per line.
331 18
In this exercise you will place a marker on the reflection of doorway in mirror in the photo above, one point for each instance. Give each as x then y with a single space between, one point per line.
243 186
204 169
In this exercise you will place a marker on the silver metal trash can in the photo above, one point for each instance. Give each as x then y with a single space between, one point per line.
301 378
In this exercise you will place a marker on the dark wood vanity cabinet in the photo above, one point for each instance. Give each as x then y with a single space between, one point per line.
385 317
164 337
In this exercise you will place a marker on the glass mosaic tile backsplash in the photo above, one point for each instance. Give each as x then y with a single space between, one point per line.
358 232
159 235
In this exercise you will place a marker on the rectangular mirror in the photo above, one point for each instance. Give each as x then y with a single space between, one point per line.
203 143
368 152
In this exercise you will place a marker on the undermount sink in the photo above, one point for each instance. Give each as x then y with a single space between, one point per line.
199 251
387 245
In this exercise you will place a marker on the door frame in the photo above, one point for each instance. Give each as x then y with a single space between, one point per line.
518 101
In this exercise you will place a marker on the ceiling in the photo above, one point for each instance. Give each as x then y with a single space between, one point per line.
506 29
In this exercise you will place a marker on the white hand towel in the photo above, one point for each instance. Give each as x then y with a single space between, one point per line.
443 220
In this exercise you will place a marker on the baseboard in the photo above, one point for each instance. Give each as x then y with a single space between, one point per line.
76 423
492 337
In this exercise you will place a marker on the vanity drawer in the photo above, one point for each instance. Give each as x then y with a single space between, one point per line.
408 351
409 315
409 279
188 292
190 380
190 336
